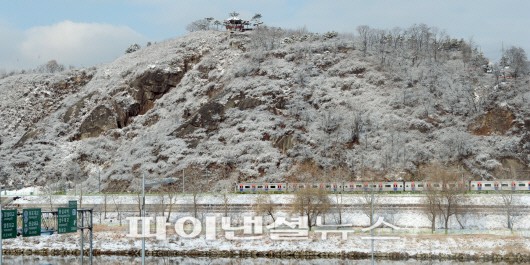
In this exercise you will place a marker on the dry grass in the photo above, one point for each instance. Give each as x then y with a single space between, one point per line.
109 228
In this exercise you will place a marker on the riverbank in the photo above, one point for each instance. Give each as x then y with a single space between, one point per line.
478 248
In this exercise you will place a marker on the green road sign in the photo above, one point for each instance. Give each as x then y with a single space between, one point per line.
64 222
31 222
72 227
9 224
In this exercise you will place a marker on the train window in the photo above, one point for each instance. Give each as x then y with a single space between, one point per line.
273 186
487 185
522 185
260 187
247 187
420 185
359 186
436 185
388 185
328 186
504 184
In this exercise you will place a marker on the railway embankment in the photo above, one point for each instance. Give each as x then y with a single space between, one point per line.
478 232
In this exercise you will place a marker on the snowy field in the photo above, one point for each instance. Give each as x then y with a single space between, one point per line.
484 232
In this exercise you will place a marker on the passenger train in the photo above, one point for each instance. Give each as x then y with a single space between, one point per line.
392 186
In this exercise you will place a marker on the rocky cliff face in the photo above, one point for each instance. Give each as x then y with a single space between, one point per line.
220 108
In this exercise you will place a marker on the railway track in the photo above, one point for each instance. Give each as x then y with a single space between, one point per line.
247 208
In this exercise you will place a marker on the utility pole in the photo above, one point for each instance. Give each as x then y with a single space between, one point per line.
99 178
372 222
143 219
1 224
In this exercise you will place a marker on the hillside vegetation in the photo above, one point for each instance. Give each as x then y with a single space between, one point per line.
268 105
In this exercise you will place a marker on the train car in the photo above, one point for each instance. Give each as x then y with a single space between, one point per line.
332 186
432 185
522 185
261 187
292 187
500 185
355 186
328 186
414 186
394 186
484 185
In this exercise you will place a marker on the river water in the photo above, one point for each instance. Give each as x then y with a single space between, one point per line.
115 260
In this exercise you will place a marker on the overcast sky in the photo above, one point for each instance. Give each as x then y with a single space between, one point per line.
89 32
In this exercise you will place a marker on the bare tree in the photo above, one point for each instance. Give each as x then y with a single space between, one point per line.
117 208
217 23
339 175
370 201
51 66
431 202
166 197
339 207
171 197
517 60
363 31
194 175
265 206
444 196
450 202
226 203
105 195
195 196
311 203
198 25
257 19
510 203
49 191
134 47
81 196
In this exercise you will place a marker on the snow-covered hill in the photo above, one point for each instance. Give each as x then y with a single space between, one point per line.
268 105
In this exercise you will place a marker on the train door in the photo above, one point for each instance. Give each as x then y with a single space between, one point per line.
380 186
334 187
496 185
513 185
413 186
479 186
529 185
253 187
240 187
365 186
395 186
279 187
266 187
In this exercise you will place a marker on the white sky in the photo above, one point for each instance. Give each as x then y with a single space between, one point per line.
89 32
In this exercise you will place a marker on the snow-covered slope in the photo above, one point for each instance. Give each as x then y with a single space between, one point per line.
255 106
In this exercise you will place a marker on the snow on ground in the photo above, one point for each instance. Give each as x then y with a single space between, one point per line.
484 232
119 260
412 244
408 216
